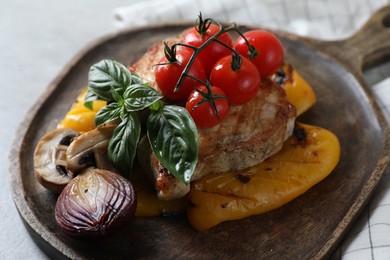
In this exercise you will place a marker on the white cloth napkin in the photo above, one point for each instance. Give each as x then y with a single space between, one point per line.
331 19
317 18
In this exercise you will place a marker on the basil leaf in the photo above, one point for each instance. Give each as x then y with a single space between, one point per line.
138 97
123 143
108 113
135 79
89 98
173 137
106 74
115 95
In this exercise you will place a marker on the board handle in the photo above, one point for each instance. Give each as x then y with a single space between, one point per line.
369 46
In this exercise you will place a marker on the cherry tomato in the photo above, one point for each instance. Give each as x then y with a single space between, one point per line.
168 74
241 85
212 52
202 111
269 49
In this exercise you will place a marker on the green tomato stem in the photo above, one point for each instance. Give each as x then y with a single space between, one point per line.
156 106
214 38
252 52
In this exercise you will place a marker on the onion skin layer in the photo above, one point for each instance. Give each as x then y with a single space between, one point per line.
95 203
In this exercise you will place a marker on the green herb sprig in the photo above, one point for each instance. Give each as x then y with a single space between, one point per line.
170 129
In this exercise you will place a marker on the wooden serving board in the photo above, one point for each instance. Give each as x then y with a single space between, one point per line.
310 226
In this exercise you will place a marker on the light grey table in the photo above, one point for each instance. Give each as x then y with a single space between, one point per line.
37 39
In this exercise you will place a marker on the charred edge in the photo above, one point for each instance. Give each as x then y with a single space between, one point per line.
67 140
243 178
224 205
300 134
162 169
164 178
280 76
289 73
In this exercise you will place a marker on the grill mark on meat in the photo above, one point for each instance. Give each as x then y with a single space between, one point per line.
167 186
164 179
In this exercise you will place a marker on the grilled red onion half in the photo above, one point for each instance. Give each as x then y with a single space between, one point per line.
95 203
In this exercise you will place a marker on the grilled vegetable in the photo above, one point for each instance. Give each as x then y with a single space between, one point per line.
50 165
298 91
79 117
307 158
95 203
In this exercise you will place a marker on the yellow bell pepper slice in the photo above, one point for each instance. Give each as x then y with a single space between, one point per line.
79 117
234 195
298 91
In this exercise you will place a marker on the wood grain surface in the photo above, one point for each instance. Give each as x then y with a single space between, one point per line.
309 227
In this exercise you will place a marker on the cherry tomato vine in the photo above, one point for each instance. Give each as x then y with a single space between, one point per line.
205 30
204 25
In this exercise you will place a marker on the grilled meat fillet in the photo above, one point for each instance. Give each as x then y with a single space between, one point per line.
248 135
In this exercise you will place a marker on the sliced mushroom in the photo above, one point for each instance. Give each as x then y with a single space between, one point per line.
50 166
90 149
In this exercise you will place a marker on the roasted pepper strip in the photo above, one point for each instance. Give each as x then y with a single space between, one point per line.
79 117
306 159
298 91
